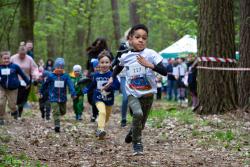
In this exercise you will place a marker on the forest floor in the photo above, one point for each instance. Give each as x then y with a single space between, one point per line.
173 137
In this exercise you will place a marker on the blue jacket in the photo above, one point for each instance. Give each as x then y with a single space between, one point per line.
57 86
9 78
100 80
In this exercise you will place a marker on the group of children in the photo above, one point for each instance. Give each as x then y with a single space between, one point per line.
139 64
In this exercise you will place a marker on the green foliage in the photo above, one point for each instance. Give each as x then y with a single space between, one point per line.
59 21
224 136
33 95
156 117
7 159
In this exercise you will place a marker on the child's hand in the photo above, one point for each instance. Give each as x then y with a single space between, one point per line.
27 87
74 97
144 62
85 91
110 81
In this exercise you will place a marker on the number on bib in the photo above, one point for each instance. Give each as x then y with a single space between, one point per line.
5 71
136 70
59 84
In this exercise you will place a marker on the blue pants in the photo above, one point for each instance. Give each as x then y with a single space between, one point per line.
124 106
172 89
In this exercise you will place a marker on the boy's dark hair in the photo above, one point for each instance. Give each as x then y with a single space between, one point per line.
4 53
137 27
105 53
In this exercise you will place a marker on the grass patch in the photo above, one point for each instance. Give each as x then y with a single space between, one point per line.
7 159
156 117
5 138
224 136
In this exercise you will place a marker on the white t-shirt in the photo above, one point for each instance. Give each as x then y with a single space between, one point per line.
140 80
179 70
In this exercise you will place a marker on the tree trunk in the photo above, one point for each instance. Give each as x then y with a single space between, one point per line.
216 89
133 15
80 39
116 21
89 18
51 46
244 77
26 23
64 31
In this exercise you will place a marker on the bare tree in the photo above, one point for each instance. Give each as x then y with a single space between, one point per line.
26 23
133 14
116 21
216 89
244 77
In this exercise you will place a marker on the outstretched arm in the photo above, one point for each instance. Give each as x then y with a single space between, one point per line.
159 68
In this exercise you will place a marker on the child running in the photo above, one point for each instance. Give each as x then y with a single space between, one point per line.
104 99
140 82
57 83
44 104
78 106
9 84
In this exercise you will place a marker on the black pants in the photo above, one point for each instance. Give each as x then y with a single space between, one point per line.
158 95
45 108
22 98
91 102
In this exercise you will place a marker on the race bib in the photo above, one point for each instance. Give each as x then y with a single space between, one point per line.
59 84
136 70
23 83
5 71
100 84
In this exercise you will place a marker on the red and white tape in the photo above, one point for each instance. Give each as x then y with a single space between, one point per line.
223 68
217 59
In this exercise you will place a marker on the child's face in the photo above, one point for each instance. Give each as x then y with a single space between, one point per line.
6 59
139 40
104 64
77 73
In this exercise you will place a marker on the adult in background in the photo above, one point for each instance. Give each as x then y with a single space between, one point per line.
192 83
30 68
93 51
29 47
172 88
49 66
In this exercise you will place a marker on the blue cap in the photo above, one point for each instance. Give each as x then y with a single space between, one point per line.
59 63
94 62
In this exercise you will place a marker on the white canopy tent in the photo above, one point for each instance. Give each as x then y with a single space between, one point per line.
183 46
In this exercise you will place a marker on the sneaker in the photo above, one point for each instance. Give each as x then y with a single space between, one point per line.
100 134
15 114
57 129
138 149
1 122
128 138
123 123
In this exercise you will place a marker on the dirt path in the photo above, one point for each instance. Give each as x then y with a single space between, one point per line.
174 144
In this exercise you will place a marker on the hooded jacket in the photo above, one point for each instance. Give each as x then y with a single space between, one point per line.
57 85
9 76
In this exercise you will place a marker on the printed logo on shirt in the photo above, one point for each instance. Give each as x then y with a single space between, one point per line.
137 77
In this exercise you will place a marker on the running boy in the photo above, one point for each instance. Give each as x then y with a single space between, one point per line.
57 83
78 106
104 99
140 82
44 104
9 84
